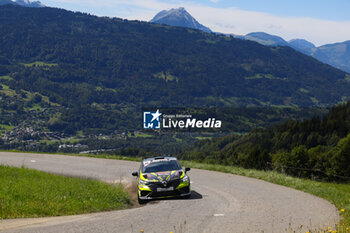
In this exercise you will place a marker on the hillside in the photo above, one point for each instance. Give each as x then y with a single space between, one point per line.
96 73
337 55
115 52
317 148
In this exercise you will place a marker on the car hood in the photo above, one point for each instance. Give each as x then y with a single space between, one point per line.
163 176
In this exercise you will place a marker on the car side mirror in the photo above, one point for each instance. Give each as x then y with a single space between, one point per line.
187 169
135 174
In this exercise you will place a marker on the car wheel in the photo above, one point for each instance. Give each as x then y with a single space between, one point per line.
141 201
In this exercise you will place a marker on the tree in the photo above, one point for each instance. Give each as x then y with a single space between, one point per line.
340 160
292 163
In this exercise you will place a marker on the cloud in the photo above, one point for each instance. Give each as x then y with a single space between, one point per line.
230 20
237 21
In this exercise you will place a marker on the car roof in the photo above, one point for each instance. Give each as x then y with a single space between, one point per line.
159 158
155 160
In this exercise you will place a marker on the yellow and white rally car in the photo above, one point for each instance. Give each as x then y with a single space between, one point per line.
162 177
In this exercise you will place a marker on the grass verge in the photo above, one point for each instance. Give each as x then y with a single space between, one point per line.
336 193
30 193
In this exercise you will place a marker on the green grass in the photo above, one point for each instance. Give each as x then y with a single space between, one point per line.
336 193
6 127
211 41
141 135
303 90
203 138
314 100
4 87
39 63
266 76
71 140
166 76
48 142
6 77
29 193
177 139
7 91
34 107
31 95
79 133
347 77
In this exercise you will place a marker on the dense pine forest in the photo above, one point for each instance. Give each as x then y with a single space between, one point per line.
319 147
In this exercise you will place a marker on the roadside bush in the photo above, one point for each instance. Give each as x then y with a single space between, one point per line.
255 159
340 158
292 163
319 162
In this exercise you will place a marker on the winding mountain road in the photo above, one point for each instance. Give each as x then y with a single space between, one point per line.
220 203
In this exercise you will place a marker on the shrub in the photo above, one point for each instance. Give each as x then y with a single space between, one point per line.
292 163
340 158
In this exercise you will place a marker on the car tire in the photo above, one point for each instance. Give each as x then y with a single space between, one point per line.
187 196
141 201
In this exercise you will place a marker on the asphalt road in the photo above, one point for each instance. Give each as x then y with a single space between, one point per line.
220 203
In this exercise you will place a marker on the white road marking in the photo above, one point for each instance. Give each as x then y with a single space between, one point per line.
219 215
33 161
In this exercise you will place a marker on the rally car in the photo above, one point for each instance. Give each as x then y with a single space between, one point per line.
162 177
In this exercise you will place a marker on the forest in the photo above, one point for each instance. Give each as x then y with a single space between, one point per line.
315 148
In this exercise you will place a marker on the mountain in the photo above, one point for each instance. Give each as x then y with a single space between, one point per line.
6 2
25 3
178 17
94 74
266 39
263 38
302 45
337 55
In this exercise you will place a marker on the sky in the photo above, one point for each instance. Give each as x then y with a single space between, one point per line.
318 21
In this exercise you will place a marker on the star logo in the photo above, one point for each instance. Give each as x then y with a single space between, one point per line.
156 115
151 120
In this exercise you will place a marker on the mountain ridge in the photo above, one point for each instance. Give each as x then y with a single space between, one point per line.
328 53
301 45
178 17
336 54
266 39
101 71
24 3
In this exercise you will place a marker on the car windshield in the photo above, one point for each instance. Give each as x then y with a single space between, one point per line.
162 166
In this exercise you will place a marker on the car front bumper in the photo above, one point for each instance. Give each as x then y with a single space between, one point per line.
151 191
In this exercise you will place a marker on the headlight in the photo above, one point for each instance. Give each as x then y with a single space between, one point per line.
143 182
185 179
